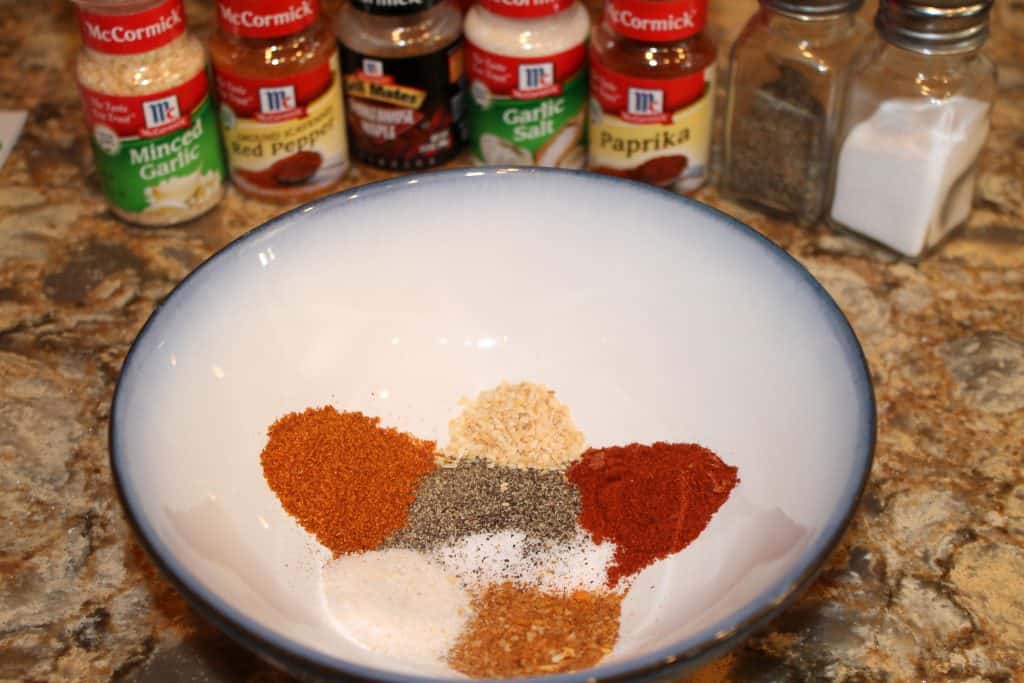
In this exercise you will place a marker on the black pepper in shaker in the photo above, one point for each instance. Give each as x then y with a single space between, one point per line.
787 71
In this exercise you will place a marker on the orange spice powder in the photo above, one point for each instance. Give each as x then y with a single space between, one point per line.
520 631
346 479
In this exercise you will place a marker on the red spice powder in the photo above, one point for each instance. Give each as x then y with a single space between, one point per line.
651 501
346 480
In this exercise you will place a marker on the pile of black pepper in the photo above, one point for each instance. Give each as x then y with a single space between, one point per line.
775 155
477 497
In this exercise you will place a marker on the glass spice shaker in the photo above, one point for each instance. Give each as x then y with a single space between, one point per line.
402 62
915 120
787 74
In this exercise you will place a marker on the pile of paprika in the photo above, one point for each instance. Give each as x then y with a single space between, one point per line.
651 501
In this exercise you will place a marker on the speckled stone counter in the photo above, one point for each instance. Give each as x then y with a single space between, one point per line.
928 583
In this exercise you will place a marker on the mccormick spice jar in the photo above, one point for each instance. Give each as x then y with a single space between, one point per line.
146 98
404 84
652 75
528 82
279 81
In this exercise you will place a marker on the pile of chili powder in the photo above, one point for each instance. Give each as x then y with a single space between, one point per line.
539 537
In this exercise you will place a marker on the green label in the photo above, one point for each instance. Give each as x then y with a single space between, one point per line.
547 131
177 170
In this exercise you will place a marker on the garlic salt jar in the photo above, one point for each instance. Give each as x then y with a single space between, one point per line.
526 63
146 99
916 118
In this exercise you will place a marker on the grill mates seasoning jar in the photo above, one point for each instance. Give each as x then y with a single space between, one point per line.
404 84
145 94
652 74
279 82
526 62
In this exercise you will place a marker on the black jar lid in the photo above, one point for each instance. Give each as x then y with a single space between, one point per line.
814 8
934 26
393 8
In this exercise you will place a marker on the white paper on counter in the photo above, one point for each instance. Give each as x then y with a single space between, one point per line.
11 123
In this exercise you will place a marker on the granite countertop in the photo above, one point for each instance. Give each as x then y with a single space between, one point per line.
928 583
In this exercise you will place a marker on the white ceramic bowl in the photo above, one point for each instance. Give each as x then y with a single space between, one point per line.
652 316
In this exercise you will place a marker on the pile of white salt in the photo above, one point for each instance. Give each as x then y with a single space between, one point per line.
397 603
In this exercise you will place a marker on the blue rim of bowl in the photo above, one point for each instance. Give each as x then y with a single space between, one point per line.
672 660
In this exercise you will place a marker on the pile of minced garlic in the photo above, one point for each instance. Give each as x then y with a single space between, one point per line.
515 425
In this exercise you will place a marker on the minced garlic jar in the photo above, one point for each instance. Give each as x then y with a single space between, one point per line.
146 98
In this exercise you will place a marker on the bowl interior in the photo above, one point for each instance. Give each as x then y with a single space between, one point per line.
653 319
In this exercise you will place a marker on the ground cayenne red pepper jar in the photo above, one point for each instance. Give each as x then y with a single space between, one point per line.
151 121
278 78
404 83
652 74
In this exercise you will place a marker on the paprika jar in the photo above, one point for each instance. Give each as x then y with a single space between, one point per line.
279 81
404 83
146 100
527 66
652 76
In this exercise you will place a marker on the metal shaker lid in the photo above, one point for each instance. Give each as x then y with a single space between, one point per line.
814 8
934 26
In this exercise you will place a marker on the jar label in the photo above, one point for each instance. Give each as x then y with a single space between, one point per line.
657 20
653 130
157 153
528 111
122 34
266 18
283 132
405 112
394 7
526 9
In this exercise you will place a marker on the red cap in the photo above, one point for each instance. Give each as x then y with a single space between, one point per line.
526 9
266 18
132 32
657 20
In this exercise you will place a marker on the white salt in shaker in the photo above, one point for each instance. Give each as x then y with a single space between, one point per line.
916 118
